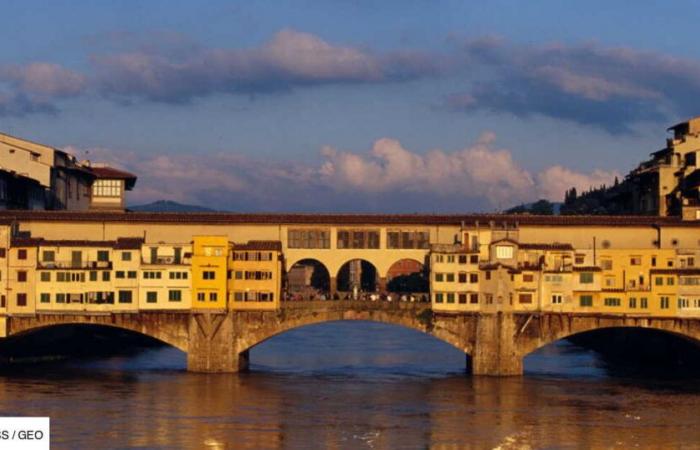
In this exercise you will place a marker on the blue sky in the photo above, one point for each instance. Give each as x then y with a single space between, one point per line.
352 105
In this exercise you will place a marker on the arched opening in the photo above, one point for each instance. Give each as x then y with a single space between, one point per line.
308 279
355 347
407 276
618 351
357 277
89 345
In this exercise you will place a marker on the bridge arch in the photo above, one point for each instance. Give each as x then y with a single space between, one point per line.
308 276
358 273
169 328
407 275
418 319
557 328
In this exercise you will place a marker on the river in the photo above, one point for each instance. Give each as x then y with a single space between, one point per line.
353 385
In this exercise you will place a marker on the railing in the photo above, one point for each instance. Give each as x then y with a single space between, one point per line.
166 260
75 265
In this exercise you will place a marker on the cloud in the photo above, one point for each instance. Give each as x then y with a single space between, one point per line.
32 88
609 88
389 177
554 181
289 59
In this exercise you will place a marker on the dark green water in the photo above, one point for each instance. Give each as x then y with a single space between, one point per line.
351 385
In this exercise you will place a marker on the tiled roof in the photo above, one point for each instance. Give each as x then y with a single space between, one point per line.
677 271
121 243
469 220
552 246
587 269
259 245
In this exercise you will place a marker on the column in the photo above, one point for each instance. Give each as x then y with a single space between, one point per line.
495 352
211 344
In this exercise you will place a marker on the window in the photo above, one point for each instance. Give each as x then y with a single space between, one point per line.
462 298
635 261
586 300
473 298
45 297
525 298
106 275
103 255
21 276
450 277
487 274
451 259
462 277
106 188
239 275
201 296
119 274
665 302
439 277
93 276
358 239
528 277
612 301
556 299
22 253
474 259
174 295
21 299
504 251
151 297
653 261
450 297
45 276
213 296
60 298
670 281
407 239
659 281
131 274
2 252
609 281
125 296
643 303
579 259
586 278
462 259
473 277
48 256
438 298
308 238
209 275
238 296
606 264
633 302
126 256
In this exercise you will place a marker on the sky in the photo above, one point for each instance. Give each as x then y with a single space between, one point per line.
352 105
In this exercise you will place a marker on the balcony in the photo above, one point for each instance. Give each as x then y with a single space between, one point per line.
75 265
166 261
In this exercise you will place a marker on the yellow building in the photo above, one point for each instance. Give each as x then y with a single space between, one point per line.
255 275
454 277
165 276
209 271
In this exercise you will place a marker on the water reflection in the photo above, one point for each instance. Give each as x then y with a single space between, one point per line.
334 387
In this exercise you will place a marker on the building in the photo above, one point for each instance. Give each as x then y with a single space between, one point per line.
255 275
36 176
209 272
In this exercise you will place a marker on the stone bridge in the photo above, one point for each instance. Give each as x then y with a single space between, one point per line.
495 343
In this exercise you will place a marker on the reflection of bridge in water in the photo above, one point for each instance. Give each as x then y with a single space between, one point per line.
494 343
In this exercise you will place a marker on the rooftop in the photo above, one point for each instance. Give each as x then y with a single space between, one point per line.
222 218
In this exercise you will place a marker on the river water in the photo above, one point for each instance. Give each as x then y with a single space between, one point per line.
353 385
